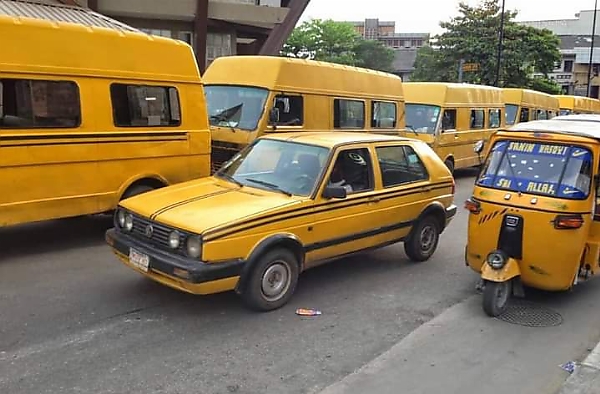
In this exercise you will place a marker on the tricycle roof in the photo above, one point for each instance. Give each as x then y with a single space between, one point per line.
572 125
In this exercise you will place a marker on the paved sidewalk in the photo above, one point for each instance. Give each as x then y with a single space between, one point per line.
586 377
463 351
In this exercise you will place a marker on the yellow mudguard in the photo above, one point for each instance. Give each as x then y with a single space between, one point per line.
510 270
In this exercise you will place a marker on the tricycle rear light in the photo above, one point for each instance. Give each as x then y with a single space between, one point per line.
565 222
473 206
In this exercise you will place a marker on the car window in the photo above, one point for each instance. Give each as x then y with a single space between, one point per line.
400 165
353 171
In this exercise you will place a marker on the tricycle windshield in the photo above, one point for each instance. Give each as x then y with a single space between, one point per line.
281 166
553 170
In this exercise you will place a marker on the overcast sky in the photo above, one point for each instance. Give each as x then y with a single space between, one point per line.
423 16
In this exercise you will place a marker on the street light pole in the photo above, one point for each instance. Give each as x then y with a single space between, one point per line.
498 63
589 84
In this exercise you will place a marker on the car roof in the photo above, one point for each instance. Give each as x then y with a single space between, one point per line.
576 125
331 139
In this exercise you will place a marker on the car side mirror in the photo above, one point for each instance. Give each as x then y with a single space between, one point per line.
338 192
273 116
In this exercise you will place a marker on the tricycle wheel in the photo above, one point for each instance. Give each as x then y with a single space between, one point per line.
495 297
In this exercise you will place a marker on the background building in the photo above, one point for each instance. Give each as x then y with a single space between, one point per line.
405 45
571 73
213 27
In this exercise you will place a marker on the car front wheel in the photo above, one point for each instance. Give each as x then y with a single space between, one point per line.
272 281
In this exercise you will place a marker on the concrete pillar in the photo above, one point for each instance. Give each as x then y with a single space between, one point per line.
282 31
200 31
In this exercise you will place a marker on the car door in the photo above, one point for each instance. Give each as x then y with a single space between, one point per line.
343 226
406 189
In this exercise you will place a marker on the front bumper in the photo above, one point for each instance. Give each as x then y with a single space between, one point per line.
186 274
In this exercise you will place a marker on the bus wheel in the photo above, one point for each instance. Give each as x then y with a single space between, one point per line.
450 164
135 190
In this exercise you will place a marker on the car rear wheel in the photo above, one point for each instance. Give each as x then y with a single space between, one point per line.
423 239
272 281
450 164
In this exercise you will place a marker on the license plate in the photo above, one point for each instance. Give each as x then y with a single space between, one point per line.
139 260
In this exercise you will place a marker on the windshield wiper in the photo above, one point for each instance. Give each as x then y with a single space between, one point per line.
229 178
270 186
226 115
412 129
512 172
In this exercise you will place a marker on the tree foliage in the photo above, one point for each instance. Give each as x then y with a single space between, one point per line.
337 42
473 36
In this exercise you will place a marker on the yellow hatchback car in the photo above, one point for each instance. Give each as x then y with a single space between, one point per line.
284 204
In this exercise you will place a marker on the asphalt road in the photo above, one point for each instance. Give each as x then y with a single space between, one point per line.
73 319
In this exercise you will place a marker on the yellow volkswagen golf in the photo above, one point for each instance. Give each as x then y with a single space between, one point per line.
284 204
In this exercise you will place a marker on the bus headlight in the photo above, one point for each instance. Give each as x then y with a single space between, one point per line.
194 246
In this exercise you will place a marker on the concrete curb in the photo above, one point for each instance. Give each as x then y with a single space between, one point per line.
586 377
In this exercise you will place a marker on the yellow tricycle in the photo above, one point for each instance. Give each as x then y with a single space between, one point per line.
533 218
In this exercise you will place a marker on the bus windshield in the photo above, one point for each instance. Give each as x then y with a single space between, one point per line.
511 114
553 170
240 107
422 118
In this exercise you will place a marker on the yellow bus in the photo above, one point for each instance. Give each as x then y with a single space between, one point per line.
90 115
248 96
452 118
524 105
578 105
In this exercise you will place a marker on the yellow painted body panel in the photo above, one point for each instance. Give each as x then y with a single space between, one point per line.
534 100
457 144
233 221
579 104
60 172
319 83
551 257
509 271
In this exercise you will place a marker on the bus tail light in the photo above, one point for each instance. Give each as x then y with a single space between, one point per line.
473 206
566 222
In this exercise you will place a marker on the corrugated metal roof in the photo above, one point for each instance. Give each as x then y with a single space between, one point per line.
60 13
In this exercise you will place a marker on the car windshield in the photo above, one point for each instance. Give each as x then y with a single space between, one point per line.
240 107
511 114
281 166
554 170
422 118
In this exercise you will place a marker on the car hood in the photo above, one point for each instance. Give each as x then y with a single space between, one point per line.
208 203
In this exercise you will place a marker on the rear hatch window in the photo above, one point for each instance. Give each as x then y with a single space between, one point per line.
553 170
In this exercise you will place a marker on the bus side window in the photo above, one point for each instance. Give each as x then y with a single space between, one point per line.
524 117
477 119
291 110
449 120
495 115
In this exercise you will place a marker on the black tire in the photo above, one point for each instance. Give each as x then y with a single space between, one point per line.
450 164
495 297
135 190
272 265
423 239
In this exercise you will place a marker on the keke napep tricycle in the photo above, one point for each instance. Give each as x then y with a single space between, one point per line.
533 220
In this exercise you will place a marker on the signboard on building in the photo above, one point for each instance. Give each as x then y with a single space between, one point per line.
468 67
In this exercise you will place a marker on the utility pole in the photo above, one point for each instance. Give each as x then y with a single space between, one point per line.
498 63
460 70
589 82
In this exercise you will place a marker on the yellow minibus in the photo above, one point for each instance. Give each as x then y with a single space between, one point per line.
524 105
90 115
248 96
452 118
578 105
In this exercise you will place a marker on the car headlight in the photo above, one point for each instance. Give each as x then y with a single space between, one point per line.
496 260
121 218
128 222
174 238
194 246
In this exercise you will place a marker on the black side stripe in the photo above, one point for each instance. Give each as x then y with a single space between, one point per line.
120 141
278 217
357 236
215 233
56 136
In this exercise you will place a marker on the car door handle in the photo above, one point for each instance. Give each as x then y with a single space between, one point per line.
374 199
455 136
426 189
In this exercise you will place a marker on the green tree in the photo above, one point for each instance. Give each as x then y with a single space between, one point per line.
473 36
374 55
337 42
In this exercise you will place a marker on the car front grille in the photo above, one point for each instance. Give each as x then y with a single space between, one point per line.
159 236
